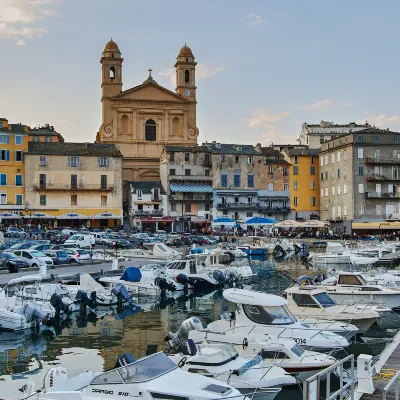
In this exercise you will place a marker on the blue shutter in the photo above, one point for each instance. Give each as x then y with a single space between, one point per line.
224 180
250 181
7 155
18 180
236 180
8 139
3 180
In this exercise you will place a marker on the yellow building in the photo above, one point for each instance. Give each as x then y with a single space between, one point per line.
13 142
74 184
304 182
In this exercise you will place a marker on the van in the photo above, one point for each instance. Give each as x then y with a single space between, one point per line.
68 231
81 241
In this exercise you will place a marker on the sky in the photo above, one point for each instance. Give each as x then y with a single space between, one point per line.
264 66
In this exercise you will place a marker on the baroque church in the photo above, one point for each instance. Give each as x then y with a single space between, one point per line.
143 119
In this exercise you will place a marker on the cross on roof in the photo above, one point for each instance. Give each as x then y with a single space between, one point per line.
150 71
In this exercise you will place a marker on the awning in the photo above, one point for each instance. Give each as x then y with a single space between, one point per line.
39 215
147 202
190 188
9 215
72 215
289 223
260 221
105 215
223 221
376 225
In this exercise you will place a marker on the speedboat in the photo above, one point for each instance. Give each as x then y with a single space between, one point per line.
308 301
18 316
381 277
284 353
253 249
151 250
352 288
152 377
266 315
222 362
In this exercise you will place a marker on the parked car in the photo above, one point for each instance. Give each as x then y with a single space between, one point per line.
20 246
99 237
78 256
13 263
108 239
122 244
34 258
41 247
64 246
68 231
16 233
81 241
58 239
5 246
58 256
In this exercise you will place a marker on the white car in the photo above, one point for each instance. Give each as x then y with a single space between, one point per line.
78 256
15 232
34 258
109 239
99 237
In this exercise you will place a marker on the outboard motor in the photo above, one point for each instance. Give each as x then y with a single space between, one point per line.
55 376
123 296
182 279
125 359
85 301
174 340
188 347
219 276
278 252
164 284
58 304
232 277
36 316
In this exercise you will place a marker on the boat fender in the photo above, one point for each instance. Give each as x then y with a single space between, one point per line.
182 362
245 343
125 359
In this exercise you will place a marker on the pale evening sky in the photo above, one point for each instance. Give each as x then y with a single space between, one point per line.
264 66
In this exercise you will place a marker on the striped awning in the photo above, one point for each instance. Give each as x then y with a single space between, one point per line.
190 188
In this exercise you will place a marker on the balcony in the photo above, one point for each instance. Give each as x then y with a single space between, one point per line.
82 187
154 213
381 195
265 209
207 163
190 178
376 177
237 206
156 199
197 197
382 160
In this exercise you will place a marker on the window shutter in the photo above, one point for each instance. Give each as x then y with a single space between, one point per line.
8 154
107 162
8 139
99 161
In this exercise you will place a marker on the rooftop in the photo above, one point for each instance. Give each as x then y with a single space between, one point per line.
73 149
331 124
146 187
302 152
226 148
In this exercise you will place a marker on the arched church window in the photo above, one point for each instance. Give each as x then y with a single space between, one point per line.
125 124
112 55
112 73
176 126
187 60
150 130
187 76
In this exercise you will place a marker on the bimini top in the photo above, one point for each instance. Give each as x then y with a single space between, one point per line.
26 278
253 298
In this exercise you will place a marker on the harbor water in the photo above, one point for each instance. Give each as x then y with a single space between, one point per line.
89 343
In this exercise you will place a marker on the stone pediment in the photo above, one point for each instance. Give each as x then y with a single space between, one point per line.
150 91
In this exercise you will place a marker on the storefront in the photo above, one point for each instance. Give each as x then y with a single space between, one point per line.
153 224
200 224
376 227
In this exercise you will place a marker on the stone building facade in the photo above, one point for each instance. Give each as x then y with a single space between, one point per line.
141 120
359 175
74 184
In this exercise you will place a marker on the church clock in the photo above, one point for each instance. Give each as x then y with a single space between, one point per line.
187 92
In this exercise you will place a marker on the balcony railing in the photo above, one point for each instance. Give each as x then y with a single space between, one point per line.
157 213
68 187
207 163
190 178
227 206
377 177
381 195
381 160
264 209
156 198
198 197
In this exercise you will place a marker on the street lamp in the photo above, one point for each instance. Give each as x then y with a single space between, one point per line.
27 209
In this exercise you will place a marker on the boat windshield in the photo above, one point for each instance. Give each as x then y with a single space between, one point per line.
147 369
325 300
277 315
296 349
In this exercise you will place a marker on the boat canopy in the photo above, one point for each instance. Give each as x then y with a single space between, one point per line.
27 278
242 296
132 274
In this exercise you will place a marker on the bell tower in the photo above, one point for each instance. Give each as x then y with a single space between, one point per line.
186 74
111 61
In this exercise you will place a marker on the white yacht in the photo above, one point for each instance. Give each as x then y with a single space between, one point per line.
157 251
260 314
247 374
382 277
352 288
152 377
312 302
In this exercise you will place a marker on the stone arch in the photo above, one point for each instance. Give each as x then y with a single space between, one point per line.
125 125
176 126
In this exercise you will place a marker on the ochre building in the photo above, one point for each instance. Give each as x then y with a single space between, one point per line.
142 119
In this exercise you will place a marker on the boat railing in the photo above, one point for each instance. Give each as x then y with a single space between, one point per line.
247 396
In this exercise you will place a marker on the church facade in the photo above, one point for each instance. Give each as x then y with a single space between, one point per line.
143 119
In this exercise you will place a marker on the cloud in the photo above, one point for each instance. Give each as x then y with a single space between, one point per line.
319 104
203 71
254 18
262 118
16 14
381 120
349 104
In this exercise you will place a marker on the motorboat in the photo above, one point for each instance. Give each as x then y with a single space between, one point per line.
150 280
309 301
155 250
352 288
19 316
284 353
253 249
152 377
223 363
266 315
336 254
382 277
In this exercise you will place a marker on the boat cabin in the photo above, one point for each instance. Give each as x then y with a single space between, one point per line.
308 296
282 351
188 265
351 279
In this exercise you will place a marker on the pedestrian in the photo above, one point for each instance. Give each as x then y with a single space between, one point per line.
39 226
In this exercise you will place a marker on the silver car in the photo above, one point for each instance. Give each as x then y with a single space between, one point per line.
78 256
